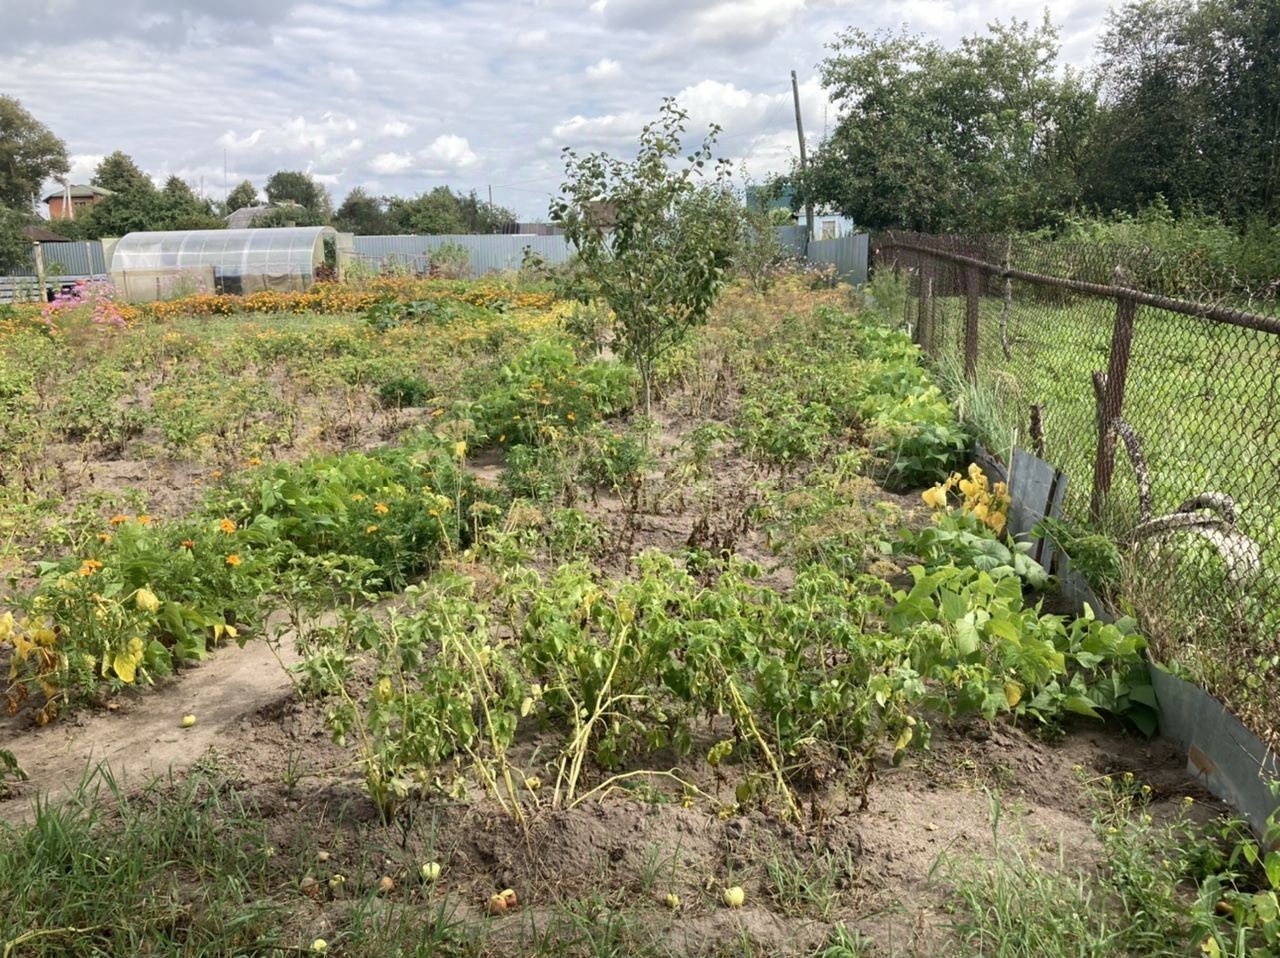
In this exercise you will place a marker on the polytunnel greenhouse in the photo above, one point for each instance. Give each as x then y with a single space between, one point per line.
161 265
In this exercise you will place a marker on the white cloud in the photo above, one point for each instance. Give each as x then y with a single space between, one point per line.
532 39
396 128
450 152
344 77
389 164
604 69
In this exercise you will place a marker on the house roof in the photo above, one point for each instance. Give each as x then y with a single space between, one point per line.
38 234
79 191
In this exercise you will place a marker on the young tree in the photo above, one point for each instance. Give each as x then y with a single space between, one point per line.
29 155
242 195
654 235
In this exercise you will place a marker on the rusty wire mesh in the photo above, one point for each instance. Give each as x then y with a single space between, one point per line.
1153 383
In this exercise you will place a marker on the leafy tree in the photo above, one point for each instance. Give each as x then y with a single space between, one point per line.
654 235
242 195
442 211
362 214
14 246
1189 96
984 136
118 173
294 186
29 155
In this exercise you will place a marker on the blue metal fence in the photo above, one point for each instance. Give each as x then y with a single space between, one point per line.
494 253
847 253
67 259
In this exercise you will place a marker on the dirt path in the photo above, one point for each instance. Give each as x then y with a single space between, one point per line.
140 736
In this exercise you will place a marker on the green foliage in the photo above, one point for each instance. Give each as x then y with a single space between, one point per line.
405 391
1188 108
135 203
443 211
294 186
243 194
15 248
544 392
985 136
29 155
654 245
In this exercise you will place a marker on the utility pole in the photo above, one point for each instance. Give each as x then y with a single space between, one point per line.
804 155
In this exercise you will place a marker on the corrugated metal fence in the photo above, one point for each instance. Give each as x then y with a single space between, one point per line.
494 253
68 259
847 253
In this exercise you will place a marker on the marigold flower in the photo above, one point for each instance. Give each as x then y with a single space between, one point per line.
227 526
188 543
233 560
358 497
570 416
144 520
90 566
216 474
104 536
370 529
255 461
118 520
381 508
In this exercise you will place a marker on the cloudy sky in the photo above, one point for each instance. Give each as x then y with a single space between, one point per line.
403 95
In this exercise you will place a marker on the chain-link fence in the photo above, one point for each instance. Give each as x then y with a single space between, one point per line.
1153 383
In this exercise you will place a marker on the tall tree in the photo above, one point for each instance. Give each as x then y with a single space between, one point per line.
242 195
118 173
361 213
441 210
294 186
1191 107
987 135
29 155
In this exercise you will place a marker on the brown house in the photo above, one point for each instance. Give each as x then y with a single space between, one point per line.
82 197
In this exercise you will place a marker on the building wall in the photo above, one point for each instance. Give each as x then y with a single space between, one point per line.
57 210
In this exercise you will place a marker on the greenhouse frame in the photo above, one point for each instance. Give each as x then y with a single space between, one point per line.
148 266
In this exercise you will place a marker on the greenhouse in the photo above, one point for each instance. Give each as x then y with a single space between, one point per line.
161 265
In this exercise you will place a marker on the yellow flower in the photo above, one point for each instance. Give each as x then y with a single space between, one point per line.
227 526
216 474
144 520
255 461
570 416
358 497
935 498
381 508
104 536
90 566
119 520
146 600
459 449
370 529
233 560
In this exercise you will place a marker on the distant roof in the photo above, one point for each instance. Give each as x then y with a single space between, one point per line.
243 218
38 234
79 191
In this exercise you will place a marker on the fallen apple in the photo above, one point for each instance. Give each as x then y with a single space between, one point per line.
734 896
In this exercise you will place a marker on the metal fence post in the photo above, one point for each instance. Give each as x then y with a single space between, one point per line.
1111 403
973 302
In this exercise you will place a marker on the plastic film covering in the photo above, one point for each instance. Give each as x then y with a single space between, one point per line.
243 260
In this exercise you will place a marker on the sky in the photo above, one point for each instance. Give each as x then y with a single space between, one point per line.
399 96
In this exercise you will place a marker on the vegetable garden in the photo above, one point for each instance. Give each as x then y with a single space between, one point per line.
756 673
